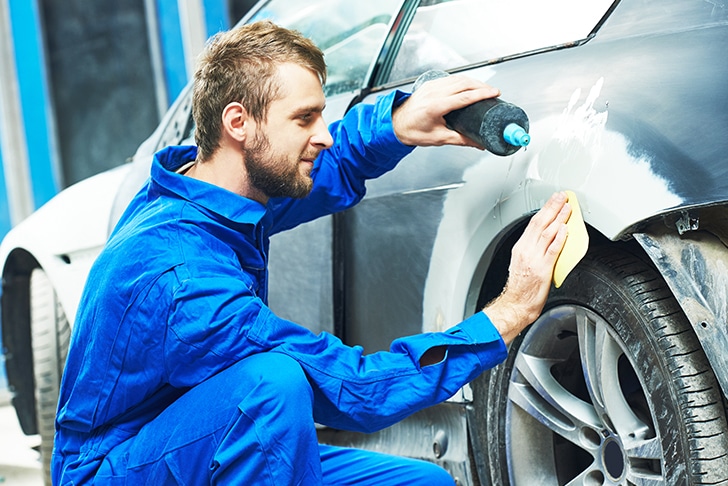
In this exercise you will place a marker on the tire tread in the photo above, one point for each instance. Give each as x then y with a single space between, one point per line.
50 333
701 401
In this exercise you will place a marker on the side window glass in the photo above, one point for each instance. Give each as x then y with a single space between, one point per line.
350 34
349 59
446 34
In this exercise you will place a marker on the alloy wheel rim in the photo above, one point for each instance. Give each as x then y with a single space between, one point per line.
577 412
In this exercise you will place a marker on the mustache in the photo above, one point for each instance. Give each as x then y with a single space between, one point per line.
313 155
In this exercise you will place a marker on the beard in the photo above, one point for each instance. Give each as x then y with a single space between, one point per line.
275 174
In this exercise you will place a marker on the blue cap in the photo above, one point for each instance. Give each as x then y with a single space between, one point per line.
516 135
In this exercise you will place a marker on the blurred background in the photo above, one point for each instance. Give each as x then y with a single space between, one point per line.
83 83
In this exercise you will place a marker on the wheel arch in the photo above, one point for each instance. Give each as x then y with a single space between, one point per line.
694 265
492 271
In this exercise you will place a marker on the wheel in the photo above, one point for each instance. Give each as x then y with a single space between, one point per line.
50 338
608 387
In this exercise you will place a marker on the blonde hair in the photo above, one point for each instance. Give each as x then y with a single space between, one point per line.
240 66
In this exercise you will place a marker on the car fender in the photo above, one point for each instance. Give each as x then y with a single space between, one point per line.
573 147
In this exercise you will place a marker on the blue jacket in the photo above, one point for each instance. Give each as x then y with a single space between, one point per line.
179 294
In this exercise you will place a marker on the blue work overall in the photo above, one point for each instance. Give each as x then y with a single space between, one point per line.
179 370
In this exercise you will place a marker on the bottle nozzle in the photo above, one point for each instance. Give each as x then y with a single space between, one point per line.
516 135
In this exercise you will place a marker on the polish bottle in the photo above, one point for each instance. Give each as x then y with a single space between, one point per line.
500 127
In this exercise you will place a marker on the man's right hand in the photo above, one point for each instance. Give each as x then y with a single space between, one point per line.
420 120
531 270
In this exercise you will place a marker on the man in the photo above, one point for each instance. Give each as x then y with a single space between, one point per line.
178 372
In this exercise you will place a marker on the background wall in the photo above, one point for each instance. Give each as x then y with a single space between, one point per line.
101 82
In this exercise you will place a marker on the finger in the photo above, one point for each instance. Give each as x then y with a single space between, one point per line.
461 99
550 244
554 227
555 203
557 245
455 92
468 97
536 229
549 212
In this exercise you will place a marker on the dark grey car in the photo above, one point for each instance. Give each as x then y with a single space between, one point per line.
623 379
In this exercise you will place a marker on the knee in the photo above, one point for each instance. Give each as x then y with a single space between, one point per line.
280 379
284 374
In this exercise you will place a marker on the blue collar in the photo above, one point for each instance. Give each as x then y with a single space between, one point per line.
229 205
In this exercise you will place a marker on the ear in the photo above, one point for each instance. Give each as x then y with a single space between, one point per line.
236 123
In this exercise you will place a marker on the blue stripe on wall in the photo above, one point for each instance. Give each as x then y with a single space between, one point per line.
5 223
216 18
34 98
173 52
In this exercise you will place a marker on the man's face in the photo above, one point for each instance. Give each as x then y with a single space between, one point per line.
280 158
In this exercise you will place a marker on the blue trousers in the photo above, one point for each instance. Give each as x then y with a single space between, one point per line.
252 425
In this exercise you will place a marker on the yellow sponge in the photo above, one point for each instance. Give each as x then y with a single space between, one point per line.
577 242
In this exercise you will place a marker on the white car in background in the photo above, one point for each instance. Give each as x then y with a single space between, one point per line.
623 379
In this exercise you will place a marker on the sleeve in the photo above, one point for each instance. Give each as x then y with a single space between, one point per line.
352 390
366 393
365 147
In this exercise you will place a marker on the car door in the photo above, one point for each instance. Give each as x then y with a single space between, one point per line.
415 244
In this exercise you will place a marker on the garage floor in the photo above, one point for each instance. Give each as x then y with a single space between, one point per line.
19 462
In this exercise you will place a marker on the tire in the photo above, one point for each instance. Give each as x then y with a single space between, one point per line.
608 387
50 333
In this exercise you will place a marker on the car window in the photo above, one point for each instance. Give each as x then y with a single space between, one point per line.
350 34
446 34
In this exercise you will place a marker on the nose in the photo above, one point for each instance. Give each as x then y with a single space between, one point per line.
321 137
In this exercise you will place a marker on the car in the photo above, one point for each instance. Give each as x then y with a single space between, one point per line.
624 377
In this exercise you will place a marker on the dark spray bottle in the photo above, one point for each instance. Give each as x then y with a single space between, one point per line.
500 127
